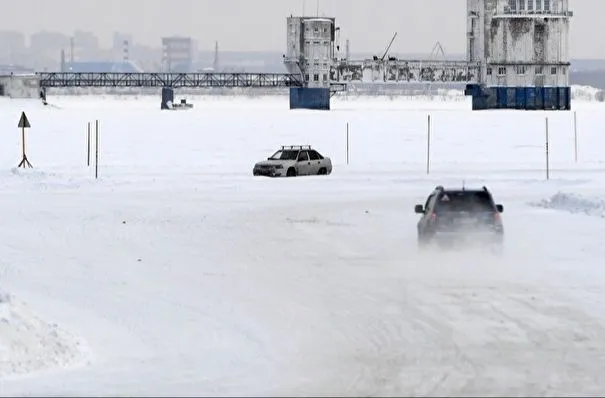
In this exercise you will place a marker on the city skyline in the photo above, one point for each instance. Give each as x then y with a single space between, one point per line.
260 25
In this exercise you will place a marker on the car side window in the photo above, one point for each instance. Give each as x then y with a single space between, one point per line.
428 201
313 155
303 156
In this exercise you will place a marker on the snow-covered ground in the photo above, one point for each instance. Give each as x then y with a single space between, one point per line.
178 273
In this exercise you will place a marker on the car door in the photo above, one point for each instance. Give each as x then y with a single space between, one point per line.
303 164
316 162
427 210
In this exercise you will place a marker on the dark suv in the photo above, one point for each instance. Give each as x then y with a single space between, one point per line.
453 216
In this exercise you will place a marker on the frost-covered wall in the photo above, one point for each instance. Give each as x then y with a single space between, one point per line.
295 44
520 42
318 51
310 49
20 86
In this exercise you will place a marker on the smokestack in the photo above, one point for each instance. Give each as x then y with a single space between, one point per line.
215 66
71 50
348 50
63 61
125 51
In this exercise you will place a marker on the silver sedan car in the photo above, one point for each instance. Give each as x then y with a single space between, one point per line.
292 161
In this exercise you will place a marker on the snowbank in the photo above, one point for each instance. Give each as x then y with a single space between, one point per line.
574 203
28 344
587 93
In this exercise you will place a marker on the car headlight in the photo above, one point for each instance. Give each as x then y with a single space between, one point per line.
279 166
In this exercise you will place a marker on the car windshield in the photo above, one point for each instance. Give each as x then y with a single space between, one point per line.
284 155
464 201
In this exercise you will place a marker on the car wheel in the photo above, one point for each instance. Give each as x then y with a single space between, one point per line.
322 171
422 242
498 250
291 172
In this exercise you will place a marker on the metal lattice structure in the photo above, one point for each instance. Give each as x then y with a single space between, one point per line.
172 80
405 71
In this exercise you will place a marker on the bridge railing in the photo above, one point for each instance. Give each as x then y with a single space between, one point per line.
174 80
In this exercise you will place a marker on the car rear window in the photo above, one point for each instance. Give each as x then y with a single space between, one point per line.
470 201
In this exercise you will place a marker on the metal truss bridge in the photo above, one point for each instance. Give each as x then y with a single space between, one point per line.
366 71
173 80
405 71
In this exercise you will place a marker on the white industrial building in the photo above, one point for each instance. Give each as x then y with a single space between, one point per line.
520 43
517 57
310 49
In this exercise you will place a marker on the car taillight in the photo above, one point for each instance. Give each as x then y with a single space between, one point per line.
497 218
433 216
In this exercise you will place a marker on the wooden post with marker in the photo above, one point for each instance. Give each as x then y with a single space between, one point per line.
88 145
575 135
24 124
428 146
547 150
347 143
96 149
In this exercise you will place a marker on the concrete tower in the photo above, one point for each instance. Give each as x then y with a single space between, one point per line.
310 54
523 49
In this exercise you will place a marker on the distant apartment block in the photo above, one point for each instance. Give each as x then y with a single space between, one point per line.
178 54
12 47
122 45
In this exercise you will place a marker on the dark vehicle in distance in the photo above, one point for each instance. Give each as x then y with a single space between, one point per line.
461 217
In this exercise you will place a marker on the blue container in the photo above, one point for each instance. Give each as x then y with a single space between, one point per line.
310 98
521 98
167 96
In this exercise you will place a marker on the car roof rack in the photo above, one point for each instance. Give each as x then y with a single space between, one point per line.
299 147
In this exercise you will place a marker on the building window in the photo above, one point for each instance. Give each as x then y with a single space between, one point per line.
530 5
489 71
316 78
521 5
553 70
512 4
539 70
325 77
502 70
520 69
563 70
538 5
546 5
307 78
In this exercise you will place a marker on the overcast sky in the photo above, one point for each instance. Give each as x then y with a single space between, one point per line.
260 24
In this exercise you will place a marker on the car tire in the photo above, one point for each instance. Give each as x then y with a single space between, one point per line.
422 243
322 171
498 250
291 172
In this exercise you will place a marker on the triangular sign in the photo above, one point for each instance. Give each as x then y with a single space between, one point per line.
23 122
